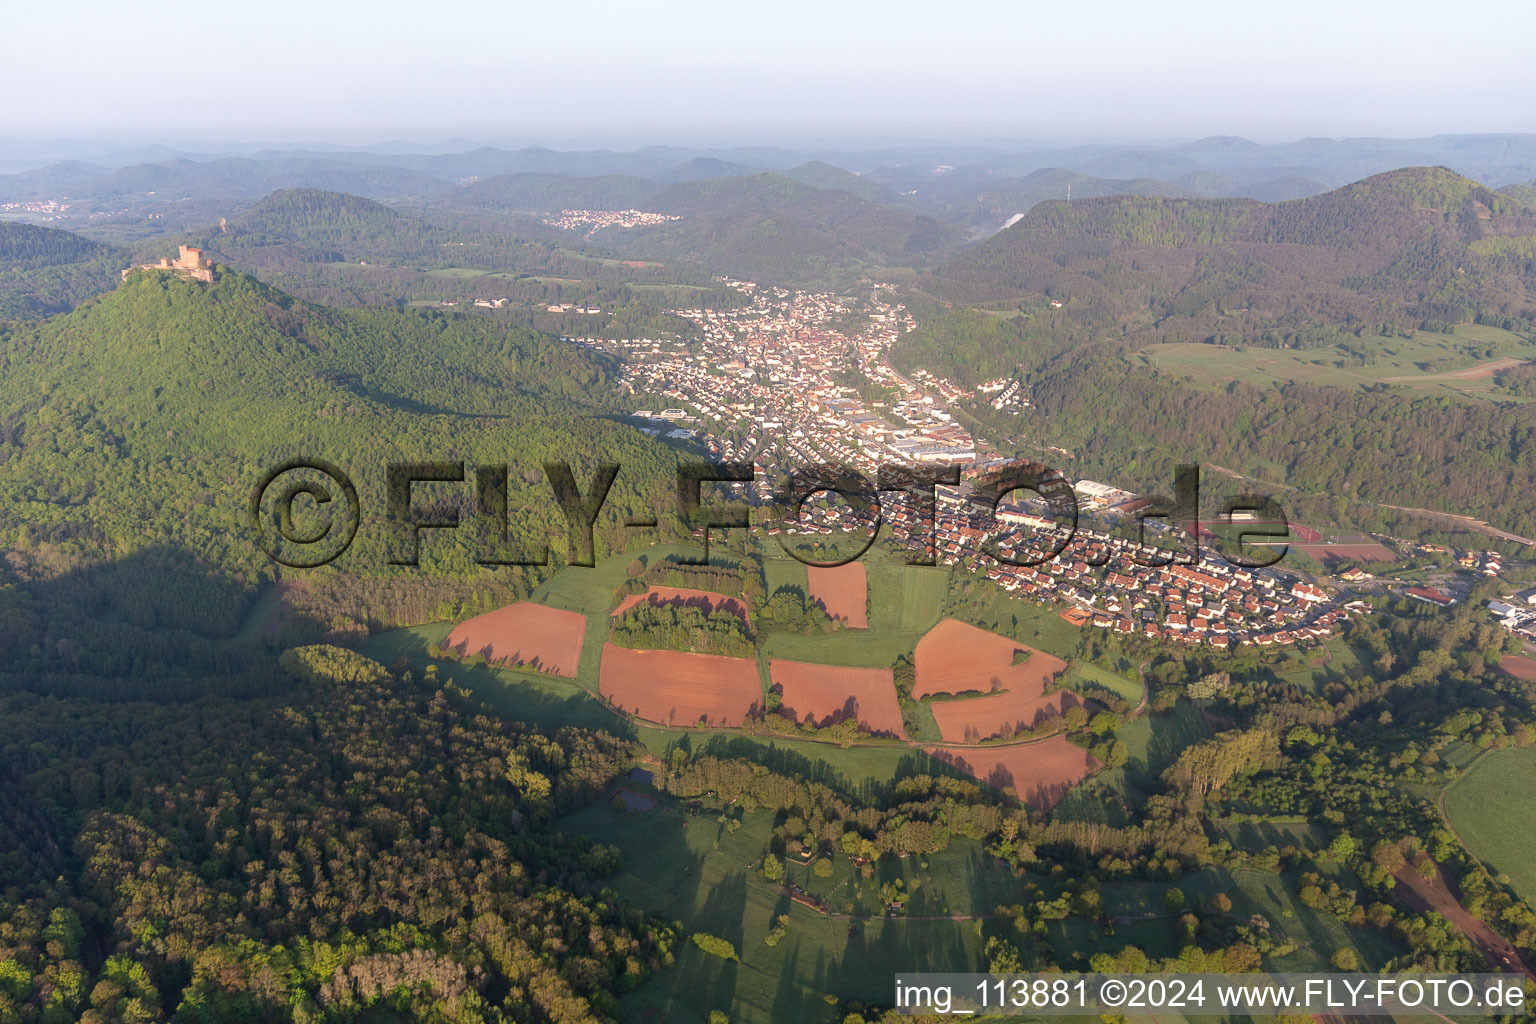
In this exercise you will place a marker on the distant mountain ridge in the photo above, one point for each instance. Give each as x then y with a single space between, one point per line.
1428 243
144 190
771 226
546 192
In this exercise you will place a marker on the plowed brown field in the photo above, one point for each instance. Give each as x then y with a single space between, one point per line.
831 693
546 639
958 658
1039 774
678 687
1518 666
973 719
842 591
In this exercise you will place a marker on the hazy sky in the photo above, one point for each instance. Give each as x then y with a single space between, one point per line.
698 72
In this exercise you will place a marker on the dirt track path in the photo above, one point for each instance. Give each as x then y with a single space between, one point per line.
1438 895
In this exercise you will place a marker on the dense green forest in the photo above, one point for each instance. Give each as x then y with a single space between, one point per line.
298 226
136 429
1342 446
353 839
45 271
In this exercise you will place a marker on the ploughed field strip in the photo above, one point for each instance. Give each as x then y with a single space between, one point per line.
706 601
526 635
679 687
843 591
824 694
956 658
1038 774
1518 666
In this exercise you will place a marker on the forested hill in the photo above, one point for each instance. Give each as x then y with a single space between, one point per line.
1525 193
44 270
996 202
351 845
545 193
1406 247
315 216
316 226
146 418
1080 292
767 226
819 174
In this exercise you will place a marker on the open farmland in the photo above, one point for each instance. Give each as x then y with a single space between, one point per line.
1039 774
842 592
955 657
826 694
1022 706
1496 829
680 688
958 658
523 634
706 601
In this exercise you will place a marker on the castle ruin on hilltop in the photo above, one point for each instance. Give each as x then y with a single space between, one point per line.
189 263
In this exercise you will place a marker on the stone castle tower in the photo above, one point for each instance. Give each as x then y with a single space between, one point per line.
189 263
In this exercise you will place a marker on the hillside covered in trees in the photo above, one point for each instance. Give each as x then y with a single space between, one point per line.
352 839
1403 248
1073 294
134 431
45 271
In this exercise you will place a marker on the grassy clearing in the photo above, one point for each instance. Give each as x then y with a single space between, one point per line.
1083 675
1312 673
905 602
905 597
990 607
1423 363
1496 828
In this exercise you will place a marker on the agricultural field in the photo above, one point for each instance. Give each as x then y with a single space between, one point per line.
1038 773
680 687
663 698
904 602
528 635
1518 666
955 657
1495 828
1427 363
842 592
830 693
1019 708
